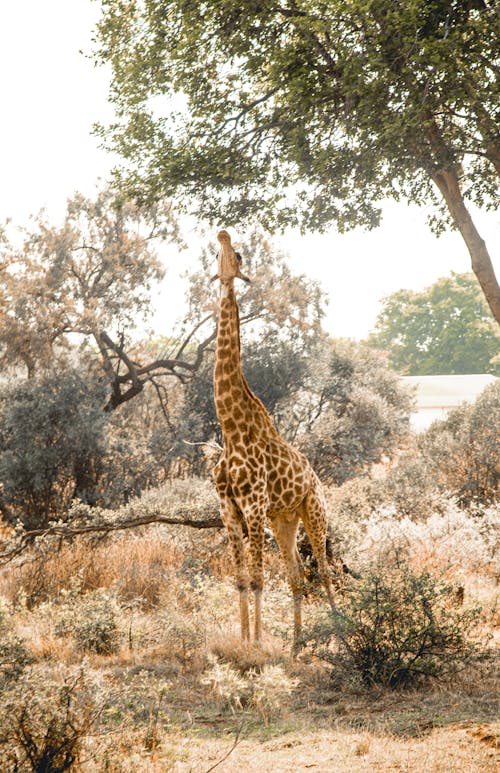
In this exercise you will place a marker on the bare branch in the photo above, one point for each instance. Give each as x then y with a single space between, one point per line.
16 546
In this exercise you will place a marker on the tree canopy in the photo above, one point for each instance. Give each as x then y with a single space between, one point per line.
90 275
445 328
309 113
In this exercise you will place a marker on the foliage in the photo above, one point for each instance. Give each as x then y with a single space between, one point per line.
267 690
451 543
271 689
446 328
92 621
411 488
44 722
396 629
310 112
130 464
353 413
462 452
52 431
14 655
229 688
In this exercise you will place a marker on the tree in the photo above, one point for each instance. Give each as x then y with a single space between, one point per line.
462 451
352 412
87 277
310 113
52 438
446 328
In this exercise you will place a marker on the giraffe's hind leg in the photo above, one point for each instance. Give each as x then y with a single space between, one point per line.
314 518
284 528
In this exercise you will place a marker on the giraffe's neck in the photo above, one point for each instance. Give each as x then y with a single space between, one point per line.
234 401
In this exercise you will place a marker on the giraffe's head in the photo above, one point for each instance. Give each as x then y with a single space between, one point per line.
228 261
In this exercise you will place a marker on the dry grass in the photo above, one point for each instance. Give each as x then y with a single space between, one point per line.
244 656
179 616
137 566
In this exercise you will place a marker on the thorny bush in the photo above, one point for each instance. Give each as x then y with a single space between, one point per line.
396 629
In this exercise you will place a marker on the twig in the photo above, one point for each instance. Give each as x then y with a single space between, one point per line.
236 741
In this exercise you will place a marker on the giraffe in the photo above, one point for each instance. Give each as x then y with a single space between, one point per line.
260 478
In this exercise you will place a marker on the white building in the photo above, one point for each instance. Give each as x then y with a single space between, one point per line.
436 395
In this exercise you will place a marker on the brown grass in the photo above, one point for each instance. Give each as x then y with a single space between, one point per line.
137 566
175 619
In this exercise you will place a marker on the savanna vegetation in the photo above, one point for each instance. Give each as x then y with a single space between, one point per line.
119 641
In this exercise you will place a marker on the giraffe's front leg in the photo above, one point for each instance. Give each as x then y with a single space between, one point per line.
233 526
255 521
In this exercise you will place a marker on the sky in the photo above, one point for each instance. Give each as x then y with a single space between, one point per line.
52 94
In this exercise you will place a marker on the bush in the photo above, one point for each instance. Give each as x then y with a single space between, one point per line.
412 487
463 451
271 690
455 542
229 688
14 657
43 723
92 623
267 689
51 438
396 629
355 415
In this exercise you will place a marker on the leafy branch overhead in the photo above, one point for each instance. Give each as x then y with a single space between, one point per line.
309 113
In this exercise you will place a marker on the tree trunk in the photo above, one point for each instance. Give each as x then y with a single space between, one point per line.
447 182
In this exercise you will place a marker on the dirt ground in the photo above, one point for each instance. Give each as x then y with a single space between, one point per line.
441 731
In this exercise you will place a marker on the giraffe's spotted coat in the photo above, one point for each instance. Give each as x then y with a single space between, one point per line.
260 477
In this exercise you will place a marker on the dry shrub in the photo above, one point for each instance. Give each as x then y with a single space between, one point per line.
229 688
455 543
245 656
272 688
267 690
14 655
94 624
44 721
137 566
395 628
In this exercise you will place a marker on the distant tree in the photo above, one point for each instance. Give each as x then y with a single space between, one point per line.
352 413
52 439
309 112
90 276
446 328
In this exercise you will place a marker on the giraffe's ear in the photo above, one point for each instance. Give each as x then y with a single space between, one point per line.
245 278
216 276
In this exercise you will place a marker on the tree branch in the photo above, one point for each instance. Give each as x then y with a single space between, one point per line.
137 376
16 546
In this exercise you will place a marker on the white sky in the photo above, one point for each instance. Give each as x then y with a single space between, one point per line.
51 94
